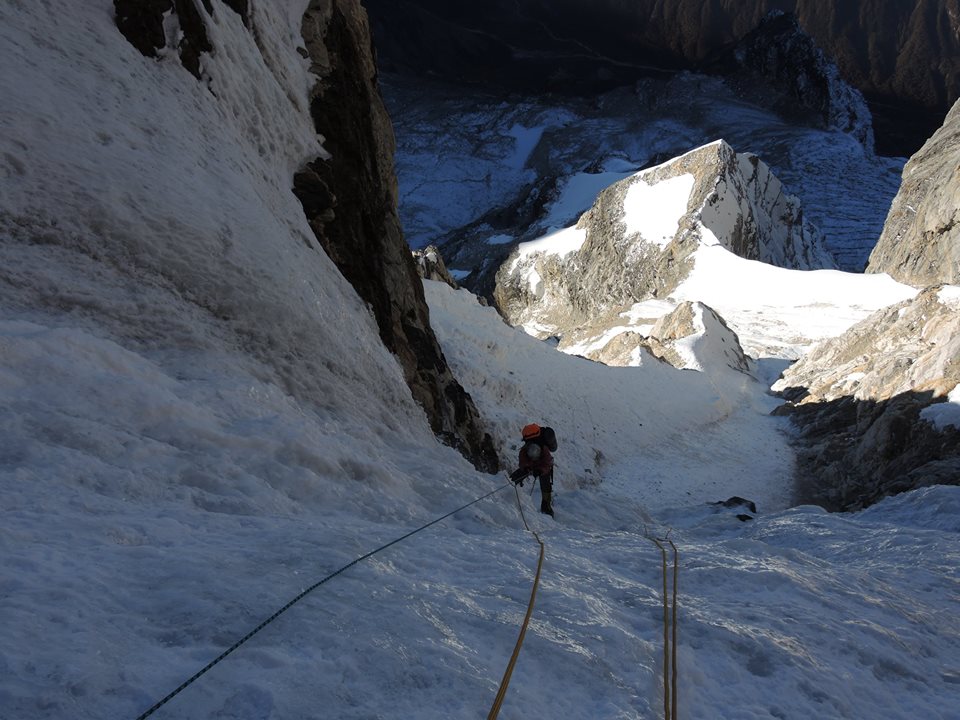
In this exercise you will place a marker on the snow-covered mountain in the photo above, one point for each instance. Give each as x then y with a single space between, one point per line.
640 238
509 170
202 416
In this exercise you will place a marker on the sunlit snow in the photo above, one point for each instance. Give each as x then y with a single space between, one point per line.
653 210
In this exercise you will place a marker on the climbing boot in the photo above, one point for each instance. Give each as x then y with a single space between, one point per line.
546 505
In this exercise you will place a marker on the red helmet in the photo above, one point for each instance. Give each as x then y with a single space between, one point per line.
531 431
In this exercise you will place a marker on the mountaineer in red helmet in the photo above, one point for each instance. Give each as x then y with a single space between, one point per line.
536 460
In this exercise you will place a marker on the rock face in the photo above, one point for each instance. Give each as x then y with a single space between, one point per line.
351 203
920 243
142 23
781 53
860 397
638 239
350 197
913 346
694 336
430 266
907 54
691 337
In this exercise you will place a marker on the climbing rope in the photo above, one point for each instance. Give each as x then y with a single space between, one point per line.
505 682
196 676
673 696
669 618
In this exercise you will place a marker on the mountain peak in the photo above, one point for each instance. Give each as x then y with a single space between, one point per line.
638 239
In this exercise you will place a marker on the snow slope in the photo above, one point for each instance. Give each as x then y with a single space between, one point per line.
198 422
667 436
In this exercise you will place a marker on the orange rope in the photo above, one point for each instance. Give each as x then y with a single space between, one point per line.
666 637
676 556
669 648
505 682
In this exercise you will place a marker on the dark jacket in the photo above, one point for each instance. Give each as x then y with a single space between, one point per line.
539 467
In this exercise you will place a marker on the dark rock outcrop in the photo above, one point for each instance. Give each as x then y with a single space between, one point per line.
142 24
350 200
859 399
782 55
920 243
854 453
430 266
350 197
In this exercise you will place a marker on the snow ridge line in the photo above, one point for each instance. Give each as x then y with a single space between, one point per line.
196 676
508 673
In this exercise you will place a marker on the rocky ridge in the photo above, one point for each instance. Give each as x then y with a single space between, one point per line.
621 252
781 53
693 336
860 398
920 243
913 346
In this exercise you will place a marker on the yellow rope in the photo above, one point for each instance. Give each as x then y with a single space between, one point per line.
505 682
669 653
666 636
676 558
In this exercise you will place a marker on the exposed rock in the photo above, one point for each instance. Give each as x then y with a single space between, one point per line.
854 453
694 337
430 266
913 346
629 349
691 337
779 52
351 203
144 24
737 501
638 239
920 243
860 399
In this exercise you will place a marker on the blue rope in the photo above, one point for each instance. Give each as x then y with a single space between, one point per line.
196 676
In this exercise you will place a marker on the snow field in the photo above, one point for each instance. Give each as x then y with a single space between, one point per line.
653 211
198 421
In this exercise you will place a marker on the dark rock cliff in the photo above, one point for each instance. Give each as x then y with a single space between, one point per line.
351 202
905 57
350 198
787 60
859 399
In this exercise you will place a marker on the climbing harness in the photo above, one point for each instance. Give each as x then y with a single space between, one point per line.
196 676
669 618
505 682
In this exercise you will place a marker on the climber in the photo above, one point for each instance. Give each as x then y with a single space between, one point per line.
536 460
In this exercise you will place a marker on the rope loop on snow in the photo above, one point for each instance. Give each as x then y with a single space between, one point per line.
669 618
508 673
196 676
